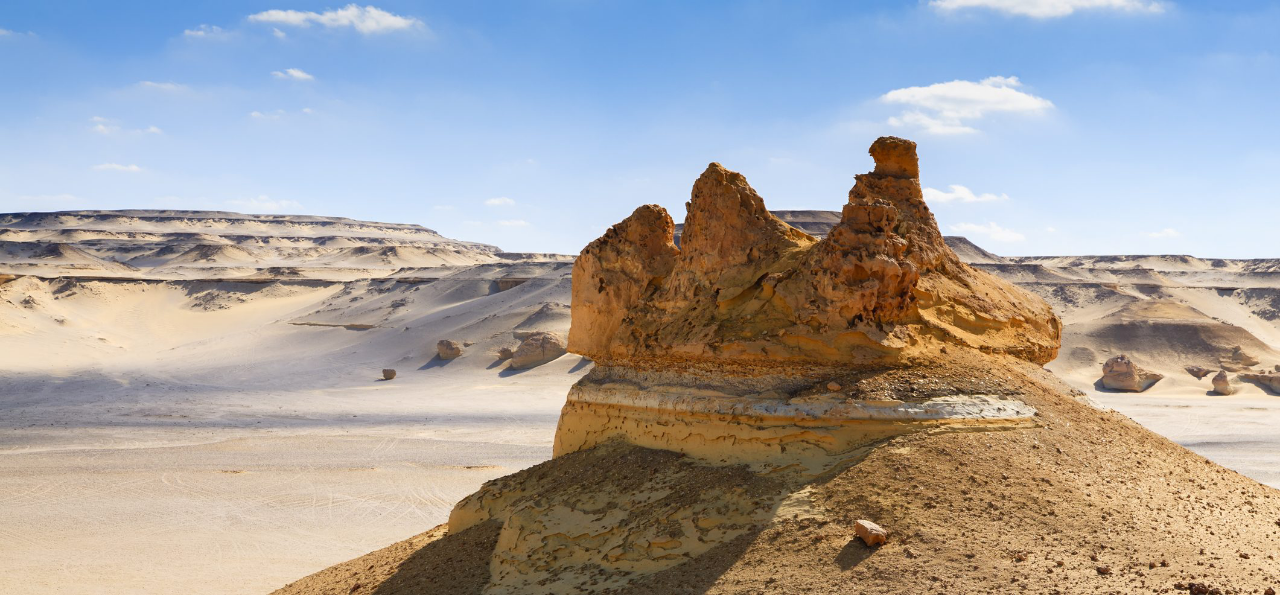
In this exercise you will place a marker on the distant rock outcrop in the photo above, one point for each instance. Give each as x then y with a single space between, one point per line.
1120 373
536 349
1198 371
448 349
1238 360
1267 380
1222 384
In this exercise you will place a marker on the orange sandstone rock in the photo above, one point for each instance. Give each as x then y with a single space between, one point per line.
746 288
870 533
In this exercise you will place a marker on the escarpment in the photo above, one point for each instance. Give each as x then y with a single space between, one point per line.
746 288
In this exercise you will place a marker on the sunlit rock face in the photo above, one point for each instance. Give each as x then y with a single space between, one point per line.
767 357
746 288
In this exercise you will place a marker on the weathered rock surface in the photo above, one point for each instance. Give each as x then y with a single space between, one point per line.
1238 360
870 533
1269 381
746 288
448 349
1120 373
505 353
388 374
1198 371
1222 384
536 349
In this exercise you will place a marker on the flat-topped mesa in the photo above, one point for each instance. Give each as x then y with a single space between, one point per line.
746 288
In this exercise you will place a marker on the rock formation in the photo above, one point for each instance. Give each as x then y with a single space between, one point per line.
1238 360
1222 384
448 349
746 288
505 353
1198 371
537 348
388 374
1120 373
1267 380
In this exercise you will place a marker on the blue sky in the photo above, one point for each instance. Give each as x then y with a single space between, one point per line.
1044 126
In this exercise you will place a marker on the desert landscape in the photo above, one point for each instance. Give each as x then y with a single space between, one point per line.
198 399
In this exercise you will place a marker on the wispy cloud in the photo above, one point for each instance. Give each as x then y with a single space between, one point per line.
990 231
296 74
4 32
278 33
264 204
1167 232
117 167
170 87
959 193
500 201
1045 9
107 127
947 108
513 223
204 31
365 19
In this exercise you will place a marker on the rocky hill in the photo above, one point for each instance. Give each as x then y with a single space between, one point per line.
761 395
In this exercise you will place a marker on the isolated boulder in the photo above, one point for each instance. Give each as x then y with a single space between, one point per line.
870 533
388 374
1120 373
448 349
1222 385
536 349
1198 371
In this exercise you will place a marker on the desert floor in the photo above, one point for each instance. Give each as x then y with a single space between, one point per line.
197 501
189 499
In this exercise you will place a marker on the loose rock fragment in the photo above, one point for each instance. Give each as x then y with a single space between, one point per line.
870 533
448 349
388 374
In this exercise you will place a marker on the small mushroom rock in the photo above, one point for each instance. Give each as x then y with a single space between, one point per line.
536 349
505 353
1198 371
1222 385
870 533
388 374
1120 373
448 349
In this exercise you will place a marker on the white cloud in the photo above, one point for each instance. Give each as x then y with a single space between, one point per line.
107 126
1167 232
960 194
278 33
1051 229
117 167
264 204
296 74
171 87
945 108
203 31
500 201
1044 9
513 223
4 32
990 231
367 19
